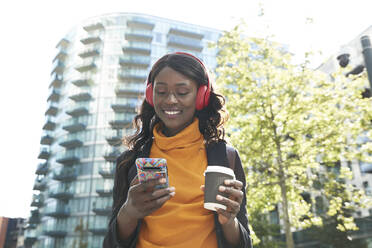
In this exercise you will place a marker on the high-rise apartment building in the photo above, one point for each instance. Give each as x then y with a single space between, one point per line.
97 83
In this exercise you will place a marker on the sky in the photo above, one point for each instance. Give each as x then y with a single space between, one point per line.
30 30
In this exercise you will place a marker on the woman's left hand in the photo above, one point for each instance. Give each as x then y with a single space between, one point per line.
233 188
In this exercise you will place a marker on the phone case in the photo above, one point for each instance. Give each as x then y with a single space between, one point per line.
149 168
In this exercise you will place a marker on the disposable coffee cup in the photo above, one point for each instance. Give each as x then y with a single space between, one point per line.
214 178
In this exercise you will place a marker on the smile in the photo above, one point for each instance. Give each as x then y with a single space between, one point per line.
173 112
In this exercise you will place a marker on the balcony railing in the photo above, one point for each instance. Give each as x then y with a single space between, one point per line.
54 95
103 211
61 55
138 35
50 124
52 109
44 153
65 175
35 217
83 82
78 109
91 39
60 211
133 75
111 156
42 169
63 43
90 52
140 24
107 170
137 48
56 82
30 237
73 126
98 231
58 67
138 61
124 107
120 123
114 140
104 192
61 193
186 33
40 184
81 96
183 43
46 139
37 200
67 159
86 66
56 233
129 90
93 26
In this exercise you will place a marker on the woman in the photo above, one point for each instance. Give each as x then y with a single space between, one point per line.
179 120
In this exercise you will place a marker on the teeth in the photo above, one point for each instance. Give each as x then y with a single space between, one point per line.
172 112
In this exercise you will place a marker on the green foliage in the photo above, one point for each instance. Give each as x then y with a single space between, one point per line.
288 122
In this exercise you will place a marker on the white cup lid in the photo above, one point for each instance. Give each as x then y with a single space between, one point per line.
220 169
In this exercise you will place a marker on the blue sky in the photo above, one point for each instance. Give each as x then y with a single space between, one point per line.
31 29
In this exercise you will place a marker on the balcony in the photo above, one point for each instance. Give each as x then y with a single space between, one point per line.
138 61
90 52
104 192
120 124
82 82
98 231
112 155
91 39
93 26
61 55
52 110
40 184
124 107
37 200
67 159
46 139
130 90
102 211
73 126
61 193
78 109
56 82
184 43
186 33
58 67
30 237
138 35
56 233
42 169
54 95
35 217
60 211
107 170
140 24
44 153
86 66
114 140
133 75
63 43
81 96
50 124
65 175
137 48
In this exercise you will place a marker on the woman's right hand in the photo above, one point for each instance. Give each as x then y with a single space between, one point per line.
143 198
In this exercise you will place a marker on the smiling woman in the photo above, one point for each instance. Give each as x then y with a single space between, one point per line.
180 120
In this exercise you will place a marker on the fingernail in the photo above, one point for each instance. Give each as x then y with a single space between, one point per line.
162 180
172 189
219 198
222 188
172 194
227 181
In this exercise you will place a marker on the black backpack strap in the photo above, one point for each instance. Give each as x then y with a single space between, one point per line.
231 155
221 154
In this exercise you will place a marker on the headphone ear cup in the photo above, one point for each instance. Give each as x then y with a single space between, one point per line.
149 94
201 97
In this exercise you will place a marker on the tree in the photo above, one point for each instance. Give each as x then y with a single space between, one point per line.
289 121
81 230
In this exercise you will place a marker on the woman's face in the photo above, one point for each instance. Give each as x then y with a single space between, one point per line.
174 100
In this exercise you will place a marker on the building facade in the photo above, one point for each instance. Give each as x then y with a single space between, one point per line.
11 230
97 84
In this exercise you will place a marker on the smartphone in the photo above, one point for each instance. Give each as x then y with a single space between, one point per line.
149 168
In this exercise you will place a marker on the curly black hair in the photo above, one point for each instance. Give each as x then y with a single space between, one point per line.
211 118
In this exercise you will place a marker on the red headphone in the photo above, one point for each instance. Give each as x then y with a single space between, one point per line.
204 91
